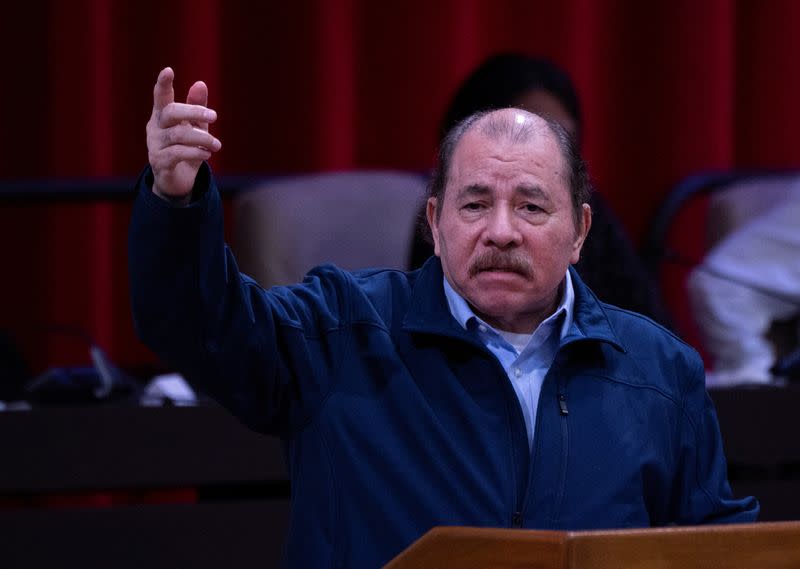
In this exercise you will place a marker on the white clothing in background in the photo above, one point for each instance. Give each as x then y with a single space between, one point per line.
747 281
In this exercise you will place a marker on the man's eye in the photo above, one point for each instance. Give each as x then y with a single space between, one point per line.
473 206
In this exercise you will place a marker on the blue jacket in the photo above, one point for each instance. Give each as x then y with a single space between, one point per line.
396 419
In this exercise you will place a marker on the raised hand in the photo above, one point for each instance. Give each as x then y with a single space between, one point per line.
177 137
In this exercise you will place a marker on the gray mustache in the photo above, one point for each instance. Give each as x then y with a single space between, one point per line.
498 261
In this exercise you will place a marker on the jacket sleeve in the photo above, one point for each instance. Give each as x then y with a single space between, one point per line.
704 493
268 356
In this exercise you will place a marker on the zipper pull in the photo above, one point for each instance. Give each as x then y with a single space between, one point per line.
562 404
516 520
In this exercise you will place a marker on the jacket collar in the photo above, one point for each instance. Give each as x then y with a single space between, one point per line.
429 312
591 320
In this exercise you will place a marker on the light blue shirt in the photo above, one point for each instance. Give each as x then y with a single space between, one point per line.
528 362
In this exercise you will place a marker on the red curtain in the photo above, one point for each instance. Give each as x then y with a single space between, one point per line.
669 88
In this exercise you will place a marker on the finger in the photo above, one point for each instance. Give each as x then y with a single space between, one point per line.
169 158
187 135
176 113
198 94
163 92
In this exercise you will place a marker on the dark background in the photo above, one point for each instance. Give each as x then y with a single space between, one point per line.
669 88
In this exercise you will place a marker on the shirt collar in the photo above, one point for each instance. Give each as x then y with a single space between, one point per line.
463 313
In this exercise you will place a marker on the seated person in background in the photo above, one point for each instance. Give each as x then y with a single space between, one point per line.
748 281
609 263
490 388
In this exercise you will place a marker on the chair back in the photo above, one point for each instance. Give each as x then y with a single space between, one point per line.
354 219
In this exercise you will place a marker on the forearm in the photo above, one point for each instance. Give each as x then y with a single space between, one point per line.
164 245
179 274
239 343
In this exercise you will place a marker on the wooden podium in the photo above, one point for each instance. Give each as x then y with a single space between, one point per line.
744 546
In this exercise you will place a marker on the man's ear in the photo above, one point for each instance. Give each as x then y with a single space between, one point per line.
431 213
582 231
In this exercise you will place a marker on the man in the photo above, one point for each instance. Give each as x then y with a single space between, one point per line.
489 388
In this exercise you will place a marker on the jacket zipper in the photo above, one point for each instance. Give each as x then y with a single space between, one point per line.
564 413
518 516
521 489
521 486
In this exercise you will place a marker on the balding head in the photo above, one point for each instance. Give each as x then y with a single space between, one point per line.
515 126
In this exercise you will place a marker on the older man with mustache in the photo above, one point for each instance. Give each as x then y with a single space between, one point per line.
489 388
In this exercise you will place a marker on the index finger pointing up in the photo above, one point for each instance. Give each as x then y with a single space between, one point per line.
163 92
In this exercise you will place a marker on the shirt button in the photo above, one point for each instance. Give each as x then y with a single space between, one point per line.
517 373
482 328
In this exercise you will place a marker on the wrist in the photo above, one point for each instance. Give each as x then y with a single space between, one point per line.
176 201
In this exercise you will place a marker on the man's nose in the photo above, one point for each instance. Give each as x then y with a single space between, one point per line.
501 229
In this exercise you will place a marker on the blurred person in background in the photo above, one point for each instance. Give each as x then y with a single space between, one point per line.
748 281
609 263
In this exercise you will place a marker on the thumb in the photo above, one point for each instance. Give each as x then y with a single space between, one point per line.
163 92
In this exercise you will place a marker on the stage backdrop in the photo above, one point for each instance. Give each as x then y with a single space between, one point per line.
669 88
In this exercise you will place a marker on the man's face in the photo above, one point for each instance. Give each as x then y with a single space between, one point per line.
506 233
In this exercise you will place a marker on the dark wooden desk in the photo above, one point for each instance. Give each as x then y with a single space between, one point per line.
760 431
240 519
240 477
114 446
